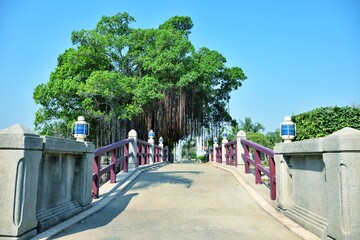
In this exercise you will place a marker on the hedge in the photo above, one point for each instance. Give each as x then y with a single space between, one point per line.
323 121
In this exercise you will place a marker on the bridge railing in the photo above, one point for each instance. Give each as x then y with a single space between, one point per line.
218 154
145 153
119 157
260 169
251 154
231 153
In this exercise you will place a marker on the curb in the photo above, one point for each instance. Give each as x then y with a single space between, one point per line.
287 222
98 204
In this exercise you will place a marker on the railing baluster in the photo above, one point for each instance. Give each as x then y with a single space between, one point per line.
257 164
246 155
272 178
113 169
126 161
96 177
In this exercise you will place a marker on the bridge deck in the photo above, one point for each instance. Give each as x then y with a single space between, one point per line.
181 201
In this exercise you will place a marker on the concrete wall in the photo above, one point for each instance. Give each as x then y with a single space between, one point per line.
44 181
318 183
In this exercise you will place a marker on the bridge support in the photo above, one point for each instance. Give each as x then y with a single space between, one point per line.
318 183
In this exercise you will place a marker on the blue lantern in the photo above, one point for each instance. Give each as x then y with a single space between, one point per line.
151 134
81 129
224 135
161 140
216 140
287 129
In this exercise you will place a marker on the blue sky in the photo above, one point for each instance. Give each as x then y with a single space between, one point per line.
297 55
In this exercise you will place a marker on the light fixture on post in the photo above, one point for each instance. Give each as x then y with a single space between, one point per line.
287 129
161 141
216 140
224 135
151 134
81 129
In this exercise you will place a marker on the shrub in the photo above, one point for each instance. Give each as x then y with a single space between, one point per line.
323 121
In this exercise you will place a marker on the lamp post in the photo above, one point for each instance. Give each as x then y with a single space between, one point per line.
81 129
224 135
161 141
224 141
287 129
151 134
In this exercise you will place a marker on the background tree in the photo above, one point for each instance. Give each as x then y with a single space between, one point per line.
121 78
249 126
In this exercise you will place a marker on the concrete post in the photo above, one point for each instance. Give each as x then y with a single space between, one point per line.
20 154
239 147
161 145
167 154
214 152
152 151
223 150
133 149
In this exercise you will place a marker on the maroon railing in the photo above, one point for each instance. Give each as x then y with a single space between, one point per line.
258 150
119 153
143 153
119 156
231 153
218 154
259 168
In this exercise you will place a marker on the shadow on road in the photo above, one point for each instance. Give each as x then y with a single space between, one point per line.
112 210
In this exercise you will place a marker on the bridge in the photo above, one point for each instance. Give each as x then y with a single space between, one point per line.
58 189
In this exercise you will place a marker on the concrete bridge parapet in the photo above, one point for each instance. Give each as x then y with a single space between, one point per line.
44 181
318 183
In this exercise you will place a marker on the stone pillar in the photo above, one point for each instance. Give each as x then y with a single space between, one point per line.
239 147
152 150
214 152
167 154
223 150
341 155
161 145
20 154
82 179
133 149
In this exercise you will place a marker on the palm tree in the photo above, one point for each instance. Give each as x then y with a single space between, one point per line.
248 126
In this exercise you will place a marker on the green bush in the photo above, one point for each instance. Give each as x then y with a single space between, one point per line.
201 159
323 121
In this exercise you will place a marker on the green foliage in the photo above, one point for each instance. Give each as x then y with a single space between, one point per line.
249 126
259 138
201 158
150 78
274 137
323 121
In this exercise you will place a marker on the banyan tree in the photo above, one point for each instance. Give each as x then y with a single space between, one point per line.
120 78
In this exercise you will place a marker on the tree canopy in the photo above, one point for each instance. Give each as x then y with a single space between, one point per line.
120 77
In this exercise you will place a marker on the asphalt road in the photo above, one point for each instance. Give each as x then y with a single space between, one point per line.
181 201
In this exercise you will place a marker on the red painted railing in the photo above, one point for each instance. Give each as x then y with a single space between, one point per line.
259 168
143 153
231 158
119 153
218 154
231 153
119 156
